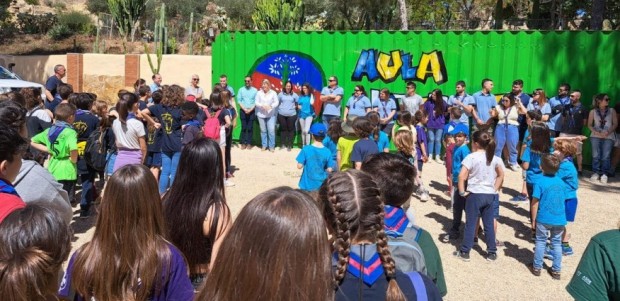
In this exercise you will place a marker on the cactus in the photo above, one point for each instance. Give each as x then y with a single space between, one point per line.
278 14
191 34
201 45
160 34
96 43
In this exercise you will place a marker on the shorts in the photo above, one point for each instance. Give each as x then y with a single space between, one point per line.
109 168
222 136
579 144
153 159
496 206
570 208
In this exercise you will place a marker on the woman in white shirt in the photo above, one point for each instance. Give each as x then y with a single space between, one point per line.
194 89
507 129
129 132
266 110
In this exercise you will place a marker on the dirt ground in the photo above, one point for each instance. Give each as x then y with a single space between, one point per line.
506 279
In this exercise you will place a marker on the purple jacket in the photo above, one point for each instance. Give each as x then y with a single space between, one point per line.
435 122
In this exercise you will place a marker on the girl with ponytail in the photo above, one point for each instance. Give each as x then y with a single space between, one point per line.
484 173
353 210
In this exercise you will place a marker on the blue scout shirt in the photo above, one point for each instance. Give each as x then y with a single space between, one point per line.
484 103
568 174
549 190
358 105
554 102
332 108
385 108
315 161
466 100
457 159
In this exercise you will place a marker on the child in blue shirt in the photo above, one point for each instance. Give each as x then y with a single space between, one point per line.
420 119
566 150
364 147
315 159
460 152
334 132
548 214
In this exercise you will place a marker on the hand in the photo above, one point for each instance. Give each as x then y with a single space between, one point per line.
479 121
425 159
157 125
458 102
267 107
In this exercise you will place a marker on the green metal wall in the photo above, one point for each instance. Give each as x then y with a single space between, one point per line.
589 61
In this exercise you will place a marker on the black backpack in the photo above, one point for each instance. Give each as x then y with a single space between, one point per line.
96 150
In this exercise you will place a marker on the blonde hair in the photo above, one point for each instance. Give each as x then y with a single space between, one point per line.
404 140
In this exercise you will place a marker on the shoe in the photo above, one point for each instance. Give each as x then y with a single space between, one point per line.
438 160
492 257
229 175
580 173
263 149
534 271
288 149
447 237
515 167
228 183
604 179
424 197
475 241
555 275
519 198
594 177
243 146
499 244
567 250
462 256
272 150
249 146
84 213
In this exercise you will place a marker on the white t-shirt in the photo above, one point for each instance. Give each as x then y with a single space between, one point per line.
481 176
127 134
412 103
40 113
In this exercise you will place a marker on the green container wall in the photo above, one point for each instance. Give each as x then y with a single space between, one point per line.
589 61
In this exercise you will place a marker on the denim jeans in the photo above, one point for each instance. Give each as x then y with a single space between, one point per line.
479 205
169 164
601 155
247 126
507 135
556 244
434 142
304 125
457 213
88 188
268 131
327 118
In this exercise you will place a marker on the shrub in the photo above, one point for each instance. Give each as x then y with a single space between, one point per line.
32 2
32 24
76 22
59 32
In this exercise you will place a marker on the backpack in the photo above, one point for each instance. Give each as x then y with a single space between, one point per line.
96 150
406 251
212 126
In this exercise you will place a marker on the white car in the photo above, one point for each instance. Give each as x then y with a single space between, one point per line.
10 81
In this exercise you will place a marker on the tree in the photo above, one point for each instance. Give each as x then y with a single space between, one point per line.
239 11
126 14
598 13
402 7
97 6
279 15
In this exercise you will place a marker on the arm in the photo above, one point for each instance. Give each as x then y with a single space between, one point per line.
391 115
358 165
591 121
346 112
48 95
39 147
534 210
339 158
223 225
500 177
143 147
463 175
74 156
146 115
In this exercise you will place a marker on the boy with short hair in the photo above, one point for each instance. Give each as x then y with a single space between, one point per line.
191 130
548 215
458 202
315 159
12 148
345 144
60 141
394 176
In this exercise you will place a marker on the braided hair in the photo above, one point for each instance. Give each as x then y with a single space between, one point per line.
353 210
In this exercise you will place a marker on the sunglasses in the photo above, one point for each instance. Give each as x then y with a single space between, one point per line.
196 79
572 96
605 99
332 80
247 81
356 90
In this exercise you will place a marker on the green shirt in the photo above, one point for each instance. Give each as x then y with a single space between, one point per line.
345 147
60 166
434 267
597 276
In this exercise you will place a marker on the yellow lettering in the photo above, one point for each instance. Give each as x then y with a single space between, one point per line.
430 66
389 65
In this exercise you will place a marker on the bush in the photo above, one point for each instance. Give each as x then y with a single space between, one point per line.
59 32
76 22
32 2
32 24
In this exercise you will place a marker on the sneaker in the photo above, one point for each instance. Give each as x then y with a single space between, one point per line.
534 271
272 150
229 183
515 167
499 244
461 255
567 250
263 149
84 213
438 160
604 179
580 173
288 149
229 175
555 275
519 198
242 146
447 237
475 241
424 197
594 177
492 257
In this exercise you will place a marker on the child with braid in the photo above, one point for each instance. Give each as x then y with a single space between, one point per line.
353 211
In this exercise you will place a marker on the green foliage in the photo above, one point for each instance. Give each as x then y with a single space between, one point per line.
35 24
77 22
181 9
161 38
239 12
97 6
126 14
172 45
32 2
59 32
278 14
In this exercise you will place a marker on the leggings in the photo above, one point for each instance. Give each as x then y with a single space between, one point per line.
287 129
304 124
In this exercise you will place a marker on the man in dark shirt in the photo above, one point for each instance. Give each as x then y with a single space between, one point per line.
52 83
574 117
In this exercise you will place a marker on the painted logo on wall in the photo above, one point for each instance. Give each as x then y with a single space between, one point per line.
282 66
375 64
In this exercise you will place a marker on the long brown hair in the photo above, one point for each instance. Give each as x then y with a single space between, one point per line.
353 211
35 243
374 119
127 256
277 249
486 142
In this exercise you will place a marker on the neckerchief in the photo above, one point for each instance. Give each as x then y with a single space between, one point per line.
131 116
80 112
506 113
356 100
372 268
6 187
54 132
564 101
193 122
603 117
571 111
396 220
567 159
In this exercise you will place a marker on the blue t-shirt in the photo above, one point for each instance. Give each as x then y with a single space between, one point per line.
549 190
362 149
315 161
288 104
466 100
544 109
178 287
332 146
332 108
385 108
422 140
84 124
170 120
306 108
568 173
358 105
533 172
484 103
384 141
457 159
553 103
52 84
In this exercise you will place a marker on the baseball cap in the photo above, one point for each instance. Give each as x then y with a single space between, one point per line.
318 129
190 98
8 204
458 129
